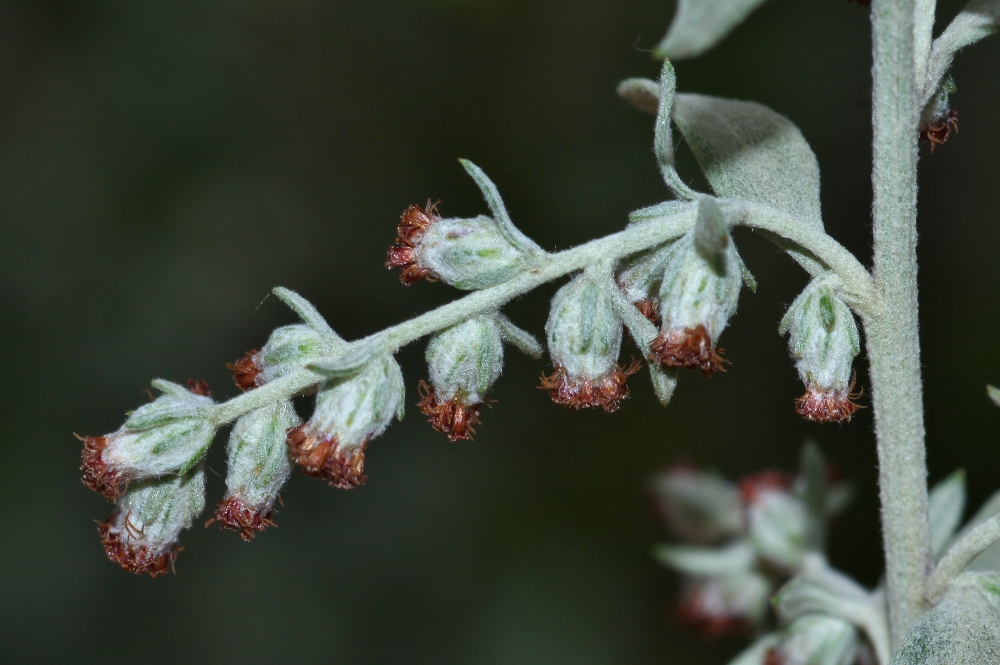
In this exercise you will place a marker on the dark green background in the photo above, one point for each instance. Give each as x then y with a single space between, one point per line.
164 164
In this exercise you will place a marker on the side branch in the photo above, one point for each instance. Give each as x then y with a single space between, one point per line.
961 555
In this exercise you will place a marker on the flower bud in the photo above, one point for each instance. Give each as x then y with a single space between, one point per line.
288 348
464 362
775 518
169 435
466 253
585 336
640 277
816 639
698 295
725 605
823 340
698 507
938 118
142 534
258 468
349 412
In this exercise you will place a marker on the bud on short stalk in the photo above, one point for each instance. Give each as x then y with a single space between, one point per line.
258 468
349 412
167 436
698 295
640 277
816 639
584 337
142 534
719 606
466 253
823 340
698 507
288 348
464 361
775 519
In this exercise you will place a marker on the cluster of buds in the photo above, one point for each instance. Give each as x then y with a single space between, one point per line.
584 335
742 541
823 339
939 119
151 469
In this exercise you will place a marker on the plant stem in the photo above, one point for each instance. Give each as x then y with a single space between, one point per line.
892 329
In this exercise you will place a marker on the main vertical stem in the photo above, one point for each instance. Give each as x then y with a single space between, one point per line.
892 331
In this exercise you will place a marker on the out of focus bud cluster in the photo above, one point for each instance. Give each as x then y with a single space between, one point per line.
740 542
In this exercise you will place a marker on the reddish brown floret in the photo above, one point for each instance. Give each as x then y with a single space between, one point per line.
753 485
412 226
709 625
937 132
690 348
139 560
199 387
322 457
828 406
246 371
233 514
608 392
97 475
452 418
650 310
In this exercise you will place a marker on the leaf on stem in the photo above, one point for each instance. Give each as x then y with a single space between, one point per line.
947 503
962 628
519 337
699 25
749 152
663 137
309 314
979 19
492 196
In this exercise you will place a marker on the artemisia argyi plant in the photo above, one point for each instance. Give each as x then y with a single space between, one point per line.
752 556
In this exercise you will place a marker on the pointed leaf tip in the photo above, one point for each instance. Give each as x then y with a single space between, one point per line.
699 25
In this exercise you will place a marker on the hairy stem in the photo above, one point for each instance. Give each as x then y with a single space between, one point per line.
547 267
892 328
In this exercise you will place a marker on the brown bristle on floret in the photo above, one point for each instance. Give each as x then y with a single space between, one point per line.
412 225
233 514
139 560
245 371
690 348
97 475
321 457
607 392
452 418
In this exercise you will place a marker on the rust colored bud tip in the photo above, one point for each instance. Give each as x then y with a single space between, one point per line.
607 392
690 348
708 626
412 225
454 419
199 387
938 131
233 514
138 560
827 406
649 309
753 485
245 371
323 458
97 475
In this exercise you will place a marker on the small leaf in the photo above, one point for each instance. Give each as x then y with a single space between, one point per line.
346 366
520 338
749 152
699 25
309 314
979 19
989 560
492 196
707 561
711 233
642 93
947 503
661 211
644 332
963 629
663 136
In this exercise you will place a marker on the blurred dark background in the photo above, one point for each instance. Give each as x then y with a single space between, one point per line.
163 165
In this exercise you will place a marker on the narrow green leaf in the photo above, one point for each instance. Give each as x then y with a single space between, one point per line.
663 138
979 19
642 93
492 196
520 338
309 314
947 503
749 152
699 25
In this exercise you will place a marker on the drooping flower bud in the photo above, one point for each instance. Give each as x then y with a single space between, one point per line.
698 295
640 277
725 605
349 412
465 253
698 507
464 362
584 336
141 536
816 639
167 436
288 348
258 468
938 118
823 340
775 518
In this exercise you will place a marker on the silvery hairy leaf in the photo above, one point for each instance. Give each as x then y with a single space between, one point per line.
963 629
979 19
947 503
989 560
699 25
749 152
